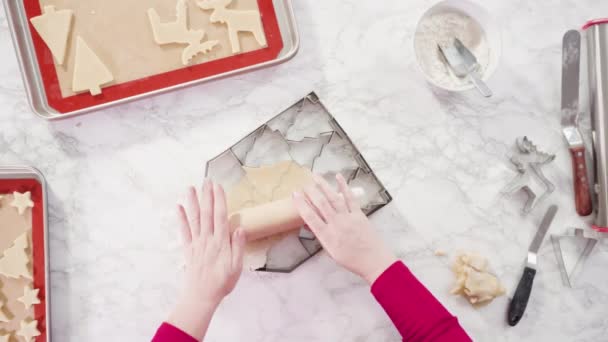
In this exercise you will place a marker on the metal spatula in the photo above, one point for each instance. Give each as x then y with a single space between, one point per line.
464 64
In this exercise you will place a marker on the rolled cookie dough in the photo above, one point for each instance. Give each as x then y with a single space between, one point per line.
260 186
473 281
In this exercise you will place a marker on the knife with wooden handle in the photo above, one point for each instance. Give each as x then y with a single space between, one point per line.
570 114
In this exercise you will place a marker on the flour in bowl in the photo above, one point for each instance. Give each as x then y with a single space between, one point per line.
442 28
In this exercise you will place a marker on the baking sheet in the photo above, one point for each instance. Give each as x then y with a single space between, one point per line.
12 225
126 43
47 88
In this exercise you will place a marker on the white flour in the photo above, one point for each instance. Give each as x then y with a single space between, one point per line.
442 28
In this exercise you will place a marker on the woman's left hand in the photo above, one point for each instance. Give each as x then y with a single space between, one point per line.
214 258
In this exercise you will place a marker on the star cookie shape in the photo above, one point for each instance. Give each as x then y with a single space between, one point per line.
30 297
22 201
28 330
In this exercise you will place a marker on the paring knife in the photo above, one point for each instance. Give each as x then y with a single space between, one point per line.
570 114
472 68
518 304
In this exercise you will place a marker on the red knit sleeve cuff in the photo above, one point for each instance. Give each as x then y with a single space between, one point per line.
397 273
169 333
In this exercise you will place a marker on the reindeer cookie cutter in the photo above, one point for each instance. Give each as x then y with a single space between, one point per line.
236 20
180 33
529 162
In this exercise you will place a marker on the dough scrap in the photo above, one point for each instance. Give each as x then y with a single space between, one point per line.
54 27
440 253
263 185
90 74
179 32
237 21
5 338
14 262
28 330
22 201
3 316
30 297
473 281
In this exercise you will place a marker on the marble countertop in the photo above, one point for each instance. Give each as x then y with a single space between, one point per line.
115 176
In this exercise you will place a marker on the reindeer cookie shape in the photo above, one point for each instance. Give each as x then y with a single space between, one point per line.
178 32
529 162
237 21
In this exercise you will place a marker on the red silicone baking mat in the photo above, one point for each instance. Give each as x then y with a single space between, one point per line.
38 243
160 81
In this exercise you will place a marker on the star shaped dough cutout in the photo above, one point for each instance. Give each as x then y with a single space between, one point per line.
28 330
22 201
5 338
30 297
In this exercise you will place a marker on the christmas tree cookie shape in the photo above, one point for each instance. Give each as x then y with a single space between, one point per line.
90 74
22 201
3 317
28 330
30 297
54 27
13 264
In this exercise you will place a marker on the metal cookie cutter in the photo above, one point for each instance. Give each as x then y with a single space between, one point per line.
579 235
529 162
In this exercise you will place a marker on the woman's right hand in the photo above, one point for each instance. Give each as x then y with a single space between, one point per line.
343 229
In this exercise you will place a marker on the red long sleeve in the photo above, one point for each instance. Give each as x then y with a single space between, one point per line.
169 333
416 313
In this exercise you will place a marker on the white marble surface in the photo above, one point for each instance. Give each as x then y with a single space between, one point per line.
115 176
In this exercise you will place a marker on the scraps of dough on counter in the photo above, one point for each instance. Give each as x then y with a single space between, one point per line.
473 280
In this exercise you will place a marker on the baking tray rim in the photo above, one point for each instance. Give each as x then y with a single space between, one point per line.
30 71
31 172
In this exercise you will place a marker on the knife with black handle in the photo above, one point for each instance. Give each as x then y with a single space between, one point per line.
518 304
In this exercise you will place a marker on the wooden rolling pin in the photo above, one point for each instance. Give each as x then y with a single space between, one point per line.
271 218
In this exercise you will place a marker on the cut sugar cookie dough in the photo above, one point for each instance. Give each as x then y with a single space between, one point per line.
260 186
177 32
473 281
14 262
3 317
237 21
22 201
90 74
28 330
30 297
54 27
